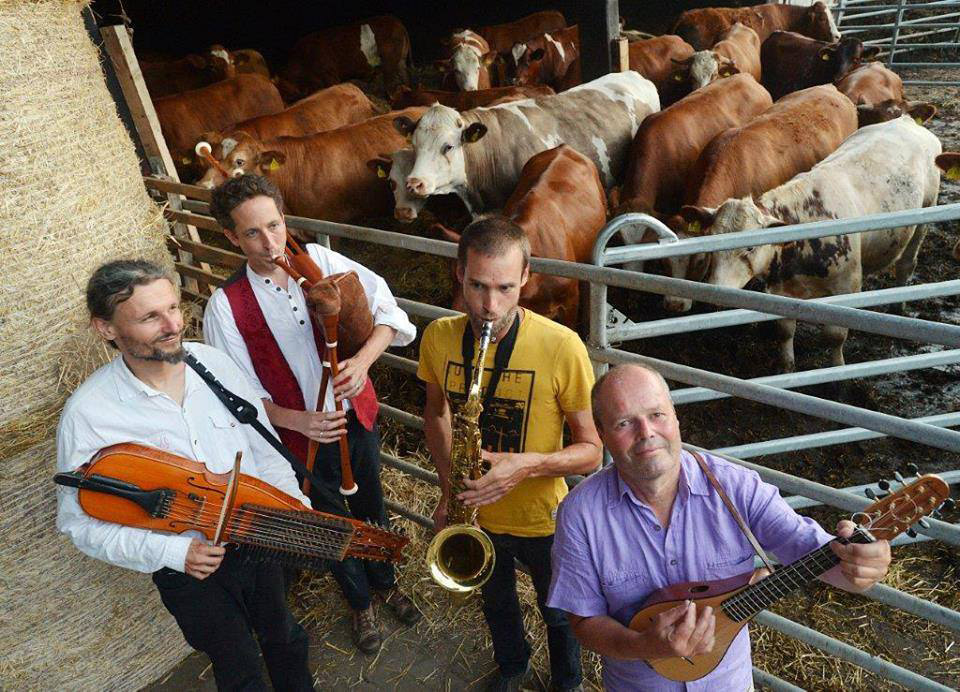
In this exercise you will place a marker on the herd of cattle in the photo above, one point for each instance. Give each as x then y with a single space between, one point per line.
742 118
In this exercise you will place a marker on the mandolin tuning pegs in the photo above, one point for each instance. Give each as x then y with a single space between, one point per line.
884 485
912 469
911 533
924 523
896 474
948 504
869 493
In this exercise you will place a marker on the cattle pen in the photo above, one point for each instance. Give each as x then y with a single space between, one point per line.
810 423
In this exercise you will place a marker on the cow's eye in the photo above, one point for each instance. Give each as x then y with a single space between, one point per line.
445 149
240 162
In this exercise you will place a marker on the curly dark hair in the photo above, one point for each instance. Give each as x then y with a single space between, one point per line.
238 190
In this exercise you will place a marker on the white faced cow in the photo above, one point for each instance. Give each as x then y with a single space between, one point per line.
480 153
879 168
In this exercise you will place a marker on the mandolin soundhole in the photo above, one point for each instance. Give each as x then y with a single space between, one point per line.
699 588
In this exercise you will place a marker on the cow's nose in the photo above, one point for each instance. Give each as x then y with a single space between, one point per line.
405 214
417 186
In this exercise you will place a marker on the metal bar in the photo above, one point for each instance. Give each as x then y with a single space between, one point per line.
927 64
827 438
832 374
425 309
920 82
415 517
399 362
409 469
778 235
928 610
910 23
798 502
832 497
730 318
835 647
762 677
408 419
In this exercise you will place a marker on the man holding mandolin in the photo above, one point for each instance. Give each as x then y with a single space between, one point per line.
263 319
656 519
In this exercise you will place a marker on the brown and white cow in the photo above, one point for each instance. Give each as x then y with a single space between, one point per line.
353 51
793 135
880 168
702 28
560 204
479 154
878 95
166 77
323 176
552 59
404 97
738 50
668 143
467 62
186 116
792 62
502 37
656 58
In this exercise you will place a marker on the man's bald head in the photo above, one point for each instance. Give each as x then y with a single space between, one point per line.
631 375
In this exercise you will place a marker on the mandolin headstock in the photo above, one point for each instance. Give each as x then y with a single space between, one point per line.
371 542
895 512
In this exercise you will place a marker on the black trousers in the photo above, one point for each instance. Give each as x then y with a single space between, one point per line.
501 608
357 578
221 614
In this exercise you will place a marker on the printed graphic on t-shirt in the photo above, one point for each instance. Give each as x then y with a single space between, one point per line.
504 426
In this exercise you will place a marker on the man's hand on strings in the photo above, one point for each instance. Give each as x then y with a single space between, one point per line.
322 426
203 560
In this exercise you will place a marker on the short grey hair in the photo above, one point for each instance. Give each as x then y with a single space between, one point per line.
112 283
614 373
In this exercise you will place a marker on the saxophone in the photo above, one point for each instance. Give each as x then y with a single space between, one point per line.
461 557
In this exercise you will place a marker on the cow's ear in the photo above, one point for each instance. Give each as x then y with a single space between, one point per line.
827 53
240 58
869 53
538 54
698 219
949 163
473 133
271 160
198 61
489 58
405 125
921 111
381 166
442 65
729 69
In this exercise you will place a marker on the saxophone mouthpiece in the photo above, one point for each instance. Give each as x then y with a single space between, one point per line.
486 332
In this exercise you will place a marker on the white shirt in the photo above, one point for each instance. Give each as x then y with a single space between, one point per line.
113 407
285 311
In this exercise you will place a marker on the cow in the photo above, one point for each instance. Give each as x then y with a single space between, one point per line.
871 114
248 60
186 116
404 96
792 136
166 77
394 169
502 37
878 95
479 154
468 61
949 163
880 168
792 62
552 59
655 59
702 28
354 51
668 143
737 51
560 205
324 175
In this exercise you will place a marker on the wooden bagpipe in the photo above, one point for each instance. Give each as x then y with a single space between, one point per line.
736 601
339 303
148 488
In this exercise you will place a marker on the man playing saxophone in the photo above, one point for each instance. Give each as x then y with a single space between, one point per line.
536 377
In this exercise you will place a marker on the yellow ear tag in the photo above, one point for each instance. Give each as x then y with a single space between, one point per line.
274 165
693 228
825 56
381 173
918 120
678 77
953 173
185 160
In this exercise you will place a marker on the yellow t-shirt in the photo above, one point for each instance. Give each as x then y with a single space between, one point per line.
549 374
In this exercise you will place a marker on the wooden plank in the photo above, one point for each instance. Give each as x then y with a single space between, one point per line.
187 294
117 43
195 219
206 253
191 191
199 274
622 53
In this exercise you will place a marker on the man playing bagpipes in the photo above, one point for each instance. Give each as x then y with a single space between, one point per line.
262 319
149 396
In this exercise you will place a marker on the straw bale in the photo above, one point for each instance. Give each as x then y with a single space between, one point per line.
70 198
70 193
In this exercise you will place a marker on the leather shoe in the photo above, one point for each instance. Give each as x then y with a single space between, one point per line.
366 634
402 607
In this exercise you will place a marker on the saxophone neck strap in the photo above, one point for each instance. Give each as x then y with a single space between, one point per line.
501 359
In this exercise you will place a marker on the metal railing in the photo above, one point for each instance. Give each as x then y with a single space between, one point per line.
703 385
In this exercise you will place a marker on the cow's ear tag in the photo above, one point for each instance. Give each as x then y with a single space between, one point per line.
824 56
380 172
953 173
918 120
473 136
274 165
693 228
185 160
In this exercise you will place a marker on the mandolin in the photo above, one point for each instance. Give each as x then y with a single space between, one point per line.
735 601
148 488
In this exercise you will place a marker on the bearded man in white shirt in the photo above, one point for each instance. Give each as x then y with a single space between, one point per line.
149 396
260 318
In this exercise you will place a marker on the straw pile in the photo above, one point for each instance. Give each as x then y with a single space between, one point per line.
70 199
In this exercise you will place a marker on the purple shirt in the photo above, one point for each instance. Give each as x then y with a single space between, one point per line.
610 553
